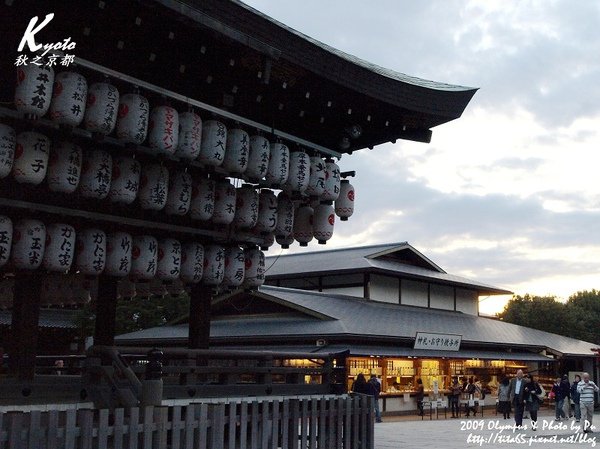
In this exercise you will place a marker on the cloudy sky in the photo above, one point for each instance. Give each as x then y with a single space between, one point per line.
508 194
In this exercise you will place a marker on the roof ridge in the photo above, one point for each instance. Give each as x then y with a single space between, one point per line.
349 248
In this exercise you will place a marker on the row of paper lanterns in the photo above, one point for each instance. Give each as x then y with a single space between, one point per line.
29 244
183 135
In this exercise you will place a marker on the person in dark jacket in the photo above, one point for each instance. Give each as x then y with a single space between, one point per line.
360 385
420 396
575 397
472 390
375 390
455 391
559 399
532 403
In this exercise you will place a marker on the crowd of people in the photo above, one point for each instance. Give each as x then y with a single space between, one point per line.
520 394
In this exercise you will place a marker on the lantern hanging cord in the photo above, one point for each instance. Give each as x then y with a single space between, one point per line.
276 259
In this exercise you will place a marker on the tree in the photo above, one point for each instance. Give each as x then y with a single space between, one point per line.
584 309
538 312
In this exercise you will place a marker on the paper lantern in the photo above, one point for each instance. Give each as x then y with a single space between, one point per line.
303 225
316 183
154 187
344 205
144 257
237 151
299 173
118 254
225 198
60 247
332 181
254 261
91 251
267 212
6 237
286 241
214 139
203 199
192 262
68 99
267 242
8 142
214 265
180 194
279 165
190 136
323 221
234 266
31 158
34 89
285 215
96 174
163 129
102 108
246 207
125 180
64 167
258 159
132 122
29 237
169 259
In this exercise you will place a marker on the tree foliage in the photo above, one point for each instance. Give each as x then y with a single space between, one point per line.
578 318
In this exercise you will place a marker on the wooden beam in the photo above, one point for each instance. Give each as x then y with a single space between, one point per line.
106 311
24 324
199 326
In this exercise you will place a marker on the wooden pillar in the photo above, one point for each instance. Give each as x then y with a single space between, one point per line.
25 324
106 311
199 324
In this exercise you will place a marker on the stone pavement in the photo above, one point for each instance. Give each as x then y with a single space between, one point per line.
491 431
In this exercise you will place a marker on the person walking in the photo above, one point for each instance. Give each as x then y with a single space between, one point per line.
375 391
565 387
532 402
516 393
586 389
504 397
420 396
455 391
575 397
559 399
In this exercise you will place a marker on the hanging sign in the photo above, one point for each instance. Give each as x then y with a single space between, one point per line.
438 342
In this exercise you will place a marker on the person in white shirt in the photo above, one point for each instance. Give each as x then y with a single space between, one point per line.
586 389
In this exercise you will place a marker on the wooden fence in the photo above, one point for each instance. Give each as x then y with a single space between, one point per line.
325 422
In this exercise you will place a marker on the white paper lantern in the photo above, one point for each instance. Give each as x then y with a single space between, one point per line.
285 215
29 237
214 139
68 99
180 194
299 174
132 123
323 221
237 151
8 142
91 251
267 212
268 241
316 183
225 199
118 254
169 259
64 167
344 205
234 266
96 174
286 241
254 268
34 89
332 181
31 158
303 225
214 265
6 237
258 159
60 247
125 180
144 257
192 262
102 108
203 199
163 129
154 187
246 207
279 165
190 136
